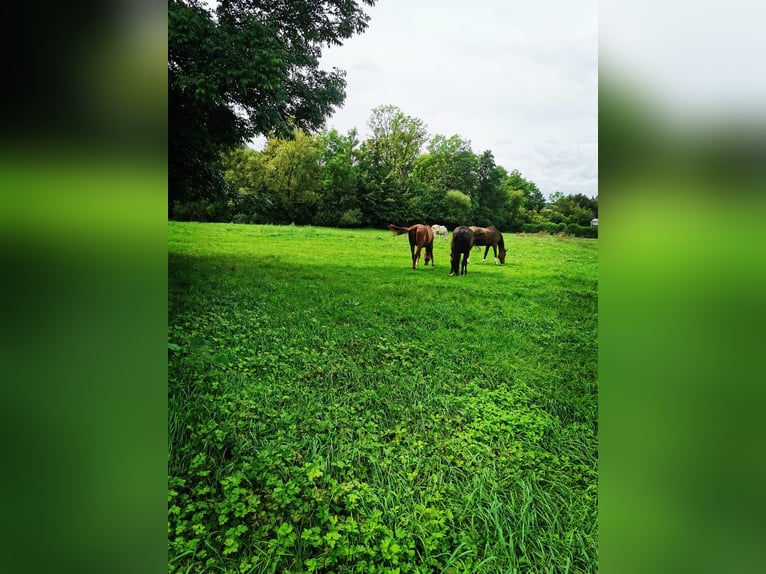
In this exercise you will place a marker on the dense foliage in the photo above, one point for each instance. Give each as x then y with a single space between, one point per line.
398 174
324 419
251 67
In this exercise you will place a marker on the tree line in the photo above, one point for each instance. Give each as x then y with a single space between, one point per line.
398 174
244 69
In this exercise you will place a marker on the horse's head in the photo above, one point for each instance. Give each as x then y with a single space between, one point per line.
501 254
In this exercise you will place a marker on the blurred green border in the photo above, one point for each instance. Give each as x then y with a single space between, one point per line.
84 356
681 316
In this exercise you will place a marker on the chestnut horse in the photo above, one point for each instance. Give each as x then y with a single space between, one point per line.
420 236
462 241
491 237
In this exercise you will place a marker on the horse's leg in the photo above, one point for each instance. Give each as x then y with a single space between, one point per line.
416 258
494 253
412 254
486 250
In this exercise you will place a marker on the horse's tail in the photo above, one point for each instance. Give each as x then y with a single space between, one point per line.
398 230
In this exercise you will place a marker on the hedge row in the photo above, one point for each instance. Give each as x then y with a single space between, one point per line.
567 228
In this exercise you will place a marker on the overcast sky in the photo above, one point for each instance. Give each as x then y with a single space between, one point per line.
517 78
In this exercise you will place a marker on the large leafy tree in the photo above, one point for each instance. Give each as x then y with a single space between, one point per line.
578 209
386 162
534 200
396 142
246 172
449 164
457 208
339 204
489 207
455 165
293 177
429 204
250 68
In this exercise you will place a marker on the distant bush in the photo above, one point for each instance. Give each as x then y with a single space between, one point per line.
547 227
241 218
458 207
191 211
351 218
582 230
201 210
554 228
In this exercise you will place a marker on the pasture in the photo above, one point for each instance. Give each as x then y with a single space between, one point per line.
330 409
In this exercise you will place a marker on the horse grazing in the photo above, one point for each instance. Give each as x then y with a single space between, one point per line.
440 230
420 236
462 241
491 237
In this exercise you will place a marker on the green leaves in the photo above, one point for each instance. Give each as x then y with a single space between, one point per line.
256 59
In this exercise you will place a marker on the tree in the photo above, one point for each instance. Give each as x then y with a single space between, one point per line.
555 197
428 204
458 208
386 163
448 164
250 69
577 209
293 177
588 203
534 200
514 213
490 197
339 204
455 165
245 172
396 142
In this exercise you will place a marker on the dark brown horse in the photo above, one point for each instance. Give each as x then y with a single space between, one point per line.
420 236
491 237
462 241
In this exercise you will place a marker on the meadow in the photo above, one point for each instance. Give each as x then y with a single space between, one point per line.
330 409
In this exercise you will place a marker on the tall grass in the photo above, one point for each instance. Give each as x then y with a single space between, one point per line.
333 410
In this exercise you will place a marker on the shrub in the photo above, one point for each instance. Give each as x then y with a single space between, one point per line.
458 207
241 218
547 227
561 228
582 230
351 218
201 210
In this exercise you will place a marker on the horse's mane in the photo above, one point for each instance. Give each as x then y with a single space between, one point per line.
500 240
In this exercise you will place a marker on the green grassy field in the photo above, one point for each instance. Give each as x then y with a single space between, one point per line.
333 410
